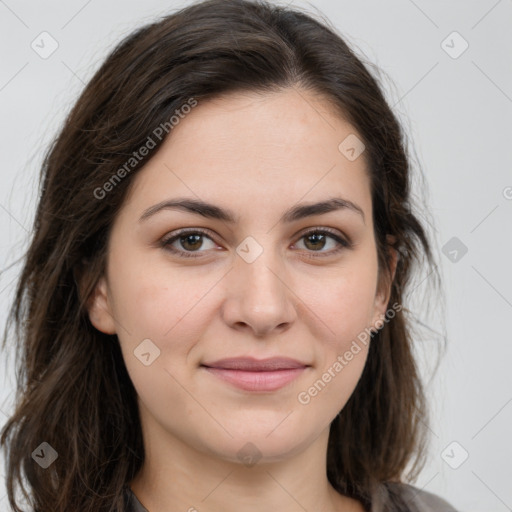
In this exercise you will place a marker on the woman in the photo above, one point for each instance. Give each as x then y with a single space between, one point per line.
210 313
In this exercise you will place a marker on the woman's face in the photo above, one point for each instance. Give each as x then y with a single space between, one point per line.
269 282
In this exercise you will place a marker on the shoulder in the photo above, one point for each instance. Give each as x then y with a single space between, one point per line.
424 501
132 503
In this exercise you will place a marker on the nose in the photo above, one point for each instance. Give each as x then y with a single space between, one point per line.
258 298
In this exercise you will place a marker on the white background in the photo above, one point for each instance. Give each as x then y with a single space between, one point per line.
457 112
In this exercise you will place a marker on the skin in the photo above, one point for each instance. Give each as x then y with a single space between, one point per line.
257 155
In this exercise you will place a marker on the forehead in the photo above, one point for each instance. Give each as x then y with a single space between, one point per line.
261 148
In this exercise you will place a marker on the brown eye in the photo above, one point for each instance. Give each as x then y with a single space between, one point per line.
317 240
191 242
187 242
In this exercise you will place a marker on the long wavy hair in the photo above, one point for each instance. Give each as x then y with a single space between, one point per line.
73 390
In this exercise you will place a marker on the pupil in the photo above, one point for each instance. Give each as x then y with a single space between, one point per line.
317 237
187 238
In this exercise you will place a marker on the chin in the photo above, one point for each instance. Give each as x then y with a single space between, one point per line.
255 446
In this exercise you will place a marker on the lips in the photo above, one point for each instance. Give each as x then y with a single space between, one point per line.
256 365
256 375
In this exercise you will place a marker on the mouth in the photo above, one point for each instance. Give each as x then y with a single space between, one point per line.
256 375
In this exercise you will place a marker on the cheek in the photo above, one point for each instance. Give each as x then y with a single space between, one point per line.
345 304
334 379
346 307
165 306
152 300
157 307
350 312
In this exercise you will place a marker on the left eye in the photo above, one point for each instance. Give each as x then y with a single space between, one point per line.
191 241
316 240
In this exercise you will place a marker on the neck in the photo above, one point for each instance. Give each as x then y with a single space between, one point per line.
177 477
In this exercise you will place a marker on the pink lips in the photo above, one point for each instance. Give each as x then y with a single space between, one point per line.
257 374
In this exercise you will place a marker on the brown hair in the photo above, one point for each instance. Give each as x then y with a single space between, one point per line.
73 388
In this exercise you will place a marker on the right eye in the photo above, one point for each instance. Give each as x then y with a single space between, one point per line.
190 240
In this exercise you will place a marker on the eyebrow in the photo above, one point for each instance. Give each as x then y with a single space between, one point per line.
212 211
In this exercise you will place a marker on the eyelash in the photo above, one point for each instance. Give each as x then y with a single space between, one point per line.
166 242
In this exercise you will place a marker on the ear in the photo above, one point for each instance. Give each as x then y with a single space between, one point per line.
98 307
384 287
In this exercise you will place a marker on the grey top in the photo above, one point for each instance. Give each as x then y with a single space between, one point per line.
417 499
424 501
